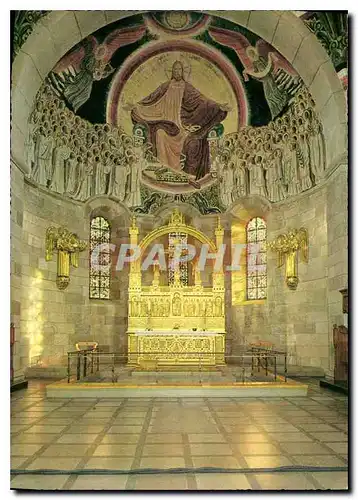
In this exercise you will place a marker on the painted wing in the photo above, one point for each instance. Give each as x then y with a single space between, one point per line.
75 57
119 38
234 40
279 62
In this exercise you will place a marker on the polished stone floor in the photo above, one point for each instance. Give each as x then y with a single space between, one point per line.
164 433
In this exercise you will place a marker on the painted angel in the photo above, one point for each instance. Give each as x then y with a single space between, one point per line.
265 64
74 75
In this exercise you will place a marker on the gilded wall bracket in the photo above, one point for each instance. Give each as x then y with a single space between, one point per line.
68 247
287 246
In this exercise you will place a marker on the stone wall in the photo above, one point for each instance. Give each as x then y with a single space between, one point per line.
337 239
50 317
16 224
52 321
49 322
301 321
299 318
108 318
294 320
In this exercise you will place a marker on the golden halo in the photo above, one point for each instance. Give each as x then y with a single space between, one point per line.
100 52
204 76
176 20
252 52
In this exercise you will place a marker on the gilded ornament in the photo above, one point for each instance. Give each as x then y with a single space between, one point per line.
287 247
68 247
172 308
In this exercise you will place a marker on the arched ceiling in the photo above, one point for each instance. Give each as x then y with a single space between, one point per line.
59 31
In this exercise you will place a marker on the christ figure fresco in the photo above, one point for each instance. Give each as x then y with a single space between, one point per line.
178 118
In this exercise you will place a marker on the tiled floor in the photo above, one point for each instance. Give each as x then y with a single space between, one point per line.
164 433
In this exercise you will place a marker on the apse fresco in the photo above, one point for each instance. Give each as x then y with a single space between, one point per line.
174 106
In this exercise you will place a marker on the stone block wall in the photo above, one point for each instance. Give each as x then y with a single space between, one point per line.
53 320
49 321
294 320
16 259
337 239
50 318
299 318
302 320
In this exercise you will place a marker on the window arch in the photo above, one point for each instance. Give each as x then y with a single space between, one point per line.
100 261
256 262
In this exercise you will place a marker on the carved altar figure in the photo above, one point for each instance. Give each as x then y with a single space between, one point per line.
176 307
158 307
167 307
145 308
209 308
156 275
218 306
161 308
154 307
135 307
37 113
201 308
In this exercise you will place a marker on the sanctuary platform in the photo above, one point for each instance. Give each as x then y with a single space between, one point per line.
225 381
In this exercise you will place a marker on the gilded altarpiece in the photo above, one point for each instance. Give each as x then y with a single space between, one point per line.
175 324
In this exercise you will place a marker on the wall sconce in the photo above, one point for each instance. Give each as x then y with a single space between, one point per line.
287 245
68 247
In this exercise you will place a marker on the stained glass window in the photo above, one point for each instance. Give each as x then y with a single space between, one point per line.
177 239
100 258
256 271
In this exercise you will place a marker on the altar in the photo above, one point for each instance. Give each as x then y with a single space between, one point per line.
175 324
155 350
